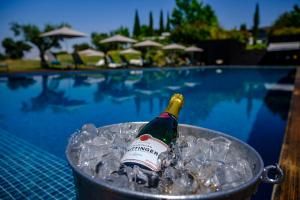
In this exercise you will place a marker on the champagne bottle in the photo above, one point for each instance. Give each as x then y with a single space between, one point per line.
154 138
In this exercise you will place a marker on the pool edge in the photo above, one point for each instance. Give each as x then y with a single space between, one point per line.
289 156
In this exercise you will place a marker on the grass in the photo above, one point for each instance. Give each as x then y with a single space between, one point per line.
257 47
23 65
116 56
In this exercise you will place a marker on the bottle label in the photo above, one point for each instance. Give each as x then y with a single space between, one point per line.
145 150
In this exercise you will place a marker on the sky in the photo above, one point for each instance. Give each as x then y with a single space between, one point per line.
106 15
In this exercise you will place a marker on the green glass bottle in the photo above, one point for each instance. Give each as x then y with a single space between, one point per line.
155 137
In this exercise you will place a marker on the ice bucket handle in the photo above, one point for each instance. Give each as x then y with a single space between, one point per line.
275 172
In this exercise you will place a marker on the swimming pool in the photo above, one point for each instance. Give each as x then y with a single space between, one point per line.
250 104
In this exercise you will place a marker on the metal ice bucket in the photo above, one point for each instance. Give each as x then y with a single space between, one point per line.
92 189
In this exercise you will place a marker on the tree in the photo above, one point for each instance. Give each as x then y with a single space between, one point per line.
193 11
168 26
121 31
15 49
288 23
80 47
31 33
144 30
288 19
243 27
255 23
192 33
150 29
2 56
192 21
136 26
161 22
96 38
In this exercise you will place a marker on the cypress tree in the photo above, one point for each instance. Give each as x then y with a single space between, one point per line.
150 24
255 23
161 22
136 26
243 27
168 26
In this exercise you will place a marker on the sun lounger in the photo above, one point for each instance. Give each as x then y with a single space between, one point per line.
169 61
132 62
79 61
136 62
188 61
111 63
100 63
52 60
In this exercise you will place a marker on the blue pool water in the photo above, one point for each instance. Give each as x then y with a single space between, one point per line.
250 104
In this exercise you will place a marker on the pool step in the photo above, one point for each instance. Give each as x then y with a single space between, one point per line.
27 172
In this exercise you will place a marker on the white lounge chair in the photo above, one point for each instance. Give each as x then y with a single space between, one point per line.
100 63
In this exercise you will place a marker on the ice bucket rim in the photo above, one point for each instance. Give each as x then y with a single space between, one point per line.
254 180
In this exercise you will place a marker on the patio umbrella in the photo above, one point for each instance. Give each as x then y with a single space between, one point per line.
91 52
130 51
193 49
147 43
118 39
174 46
64 32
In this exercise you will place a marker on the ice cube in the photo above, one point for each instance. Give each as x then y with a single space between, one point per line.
219 148
188 153
233 154
120 142
169 173
90 129
191 141
91 153
166 159
204 150
108 133
101 140
109 164
185 183
242 168
119 181
129 130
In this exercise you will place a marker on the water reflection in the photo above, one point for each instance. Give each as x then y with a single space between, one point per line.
204 89
278 99
17 82
267 131
114 87
50 97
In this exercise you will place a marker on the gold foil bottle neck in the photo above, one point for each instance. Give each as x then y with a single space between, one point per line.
175 104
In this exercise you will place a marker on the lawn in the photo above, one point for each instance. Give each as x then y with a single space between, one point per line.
23 65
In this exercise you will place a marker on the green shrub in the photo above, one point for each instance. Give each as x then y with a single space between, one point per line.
256 46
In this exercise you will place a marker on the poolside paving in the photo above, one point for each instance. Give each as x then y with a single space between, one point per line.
290 151
27 172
